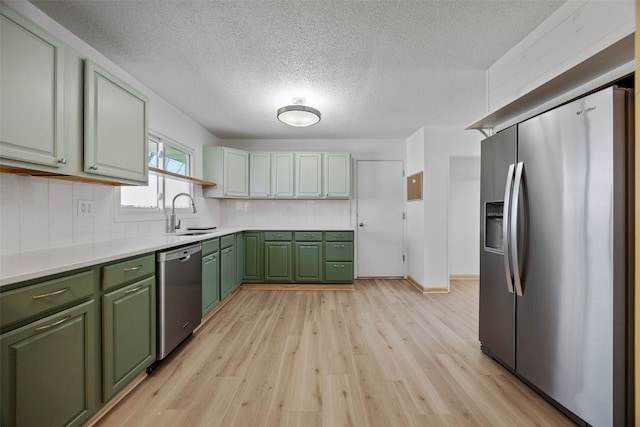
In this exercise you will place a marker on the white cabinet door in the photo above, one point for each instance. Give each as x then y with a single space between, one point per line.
308 175
337 175
116 127
31 88
236 173
282 174
259 174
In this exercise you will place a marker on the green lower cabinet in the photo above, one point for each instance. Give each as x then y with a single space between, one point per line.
277 262
339 271
228 277
252 265
210 281
239 258
47 372
308 264
129 334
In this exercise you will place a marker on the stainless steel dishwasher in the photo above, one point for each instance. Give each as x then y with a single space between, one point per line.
179 296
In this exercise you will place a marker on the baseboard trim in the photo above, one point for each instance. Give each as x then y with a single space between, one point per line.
464 277
425 290
297 287
116 399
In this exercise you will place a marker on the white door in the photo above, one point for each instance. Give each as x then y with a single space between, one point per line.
380 201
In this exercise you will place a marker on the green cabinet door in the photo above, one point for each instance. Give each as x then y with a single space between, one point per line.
129 334
115 126
210 281
48 370
308 264
239 258
252 264
277 262
228 278
32 88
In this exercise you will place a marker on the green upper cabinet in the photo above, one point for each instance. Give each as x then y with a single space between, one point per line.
282 175
115 127
227 167
260 174
32 93
47 372
337 175
128 333
308 175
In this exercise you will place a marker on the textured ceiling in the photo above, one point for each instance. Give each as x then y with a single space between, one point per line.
375 69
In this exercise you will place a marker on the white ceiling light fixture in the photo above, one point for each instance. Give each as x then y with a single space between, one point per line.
298 115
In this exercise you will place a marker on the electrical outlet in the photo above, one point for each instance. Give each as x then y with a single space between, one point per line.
85 207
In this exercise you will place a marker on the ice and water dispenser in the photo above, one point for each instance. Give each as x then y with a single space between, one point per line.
493 226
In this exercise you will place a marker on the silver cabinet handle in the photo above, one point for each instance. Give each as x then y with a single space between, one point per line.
307 235
210 258
50 294
129 269
338 266
45 327
62 161
505 229
130 291
93 167
338 246
514 228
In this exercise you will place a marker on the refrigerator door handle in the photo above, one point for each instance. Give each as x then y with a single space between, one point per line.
514 228
505 228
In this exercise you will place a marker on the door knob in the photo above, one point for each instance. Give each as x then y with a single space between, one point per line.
361 224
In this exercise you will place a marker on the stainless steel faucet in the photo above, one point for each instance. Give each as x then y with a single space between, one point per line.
172 221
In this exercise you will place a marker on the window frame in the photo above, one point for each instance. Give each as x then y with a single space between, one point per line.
130 214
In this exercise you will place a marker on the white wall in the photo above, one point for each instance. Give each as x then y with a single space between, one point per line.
574 33
40 213
415 210
429 223
464 216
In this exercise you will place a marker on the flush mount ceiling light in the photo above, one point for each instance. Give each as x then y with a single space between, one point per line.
298 114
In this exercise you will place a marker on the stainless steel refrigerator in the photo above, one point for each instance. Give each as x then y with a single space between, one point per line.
556 255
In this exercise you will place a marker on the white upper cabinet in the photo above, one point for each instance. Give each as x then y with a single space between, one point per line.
115 127
337 175
229 169
282 174
32 93
308 175
259 174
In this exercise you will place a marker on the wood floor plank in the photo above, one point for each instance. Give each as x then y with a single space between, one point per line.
381 355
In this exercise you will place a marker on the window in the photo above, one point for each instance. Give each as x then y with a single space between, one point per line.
154 200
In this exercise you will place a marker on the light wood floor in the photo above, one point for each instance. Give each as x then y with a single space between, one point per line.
382 355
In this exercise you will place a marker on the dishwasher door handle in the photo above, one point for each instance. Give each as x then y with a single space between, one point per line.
186 258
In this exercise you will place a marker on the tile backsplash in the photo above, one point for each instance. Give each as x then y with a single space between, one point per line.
286 213
39 213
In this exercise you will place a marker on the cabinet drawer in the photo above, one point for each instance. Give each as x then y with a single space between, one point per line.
210 246
339 236
128 271
227 241
339 272
23 303
338 251
277 235
308 236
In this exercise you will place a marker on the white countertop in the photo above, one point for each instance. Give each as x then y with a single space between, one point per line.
21 266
